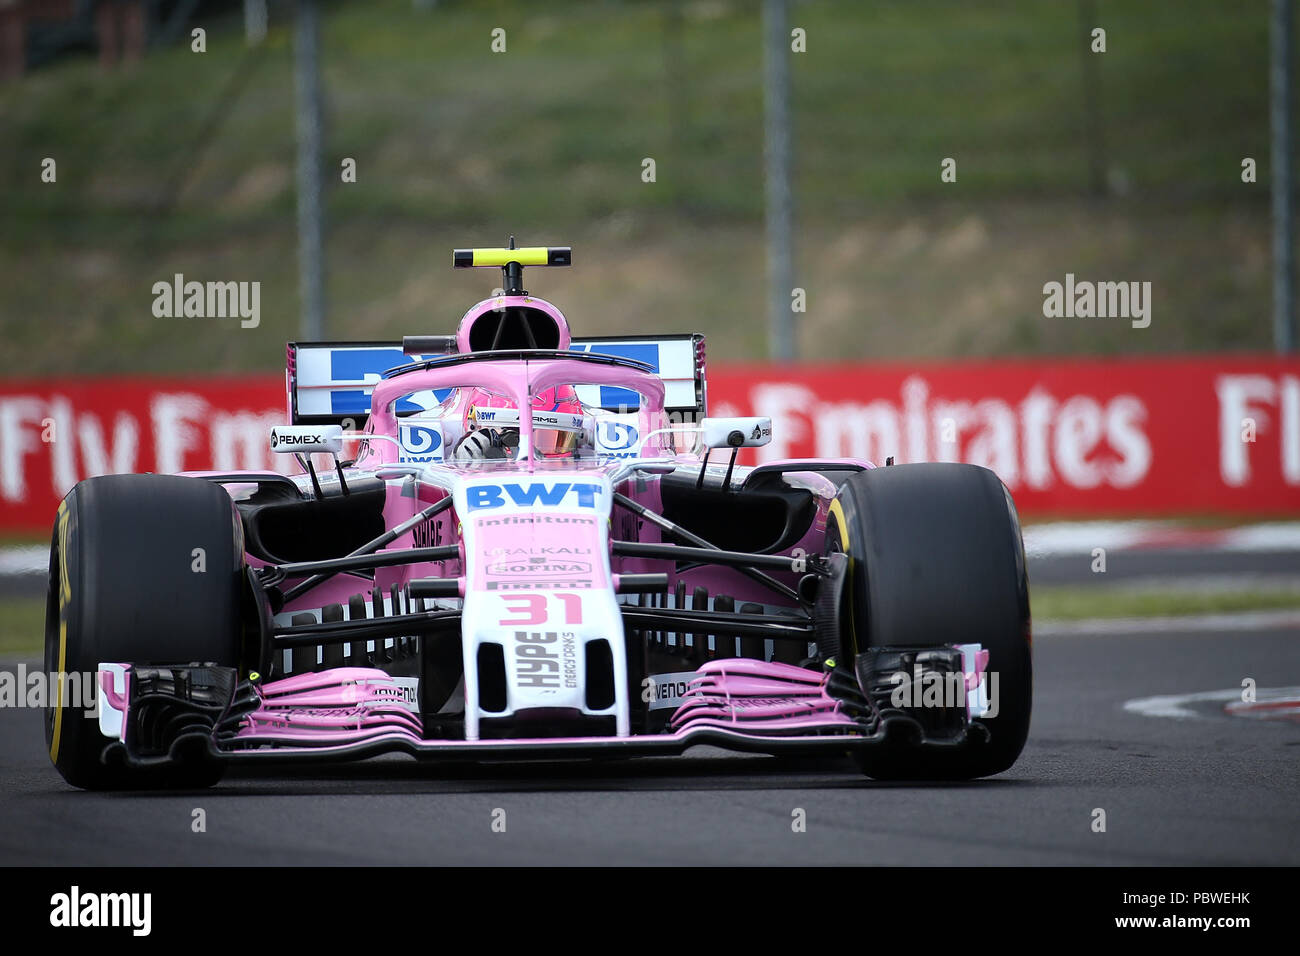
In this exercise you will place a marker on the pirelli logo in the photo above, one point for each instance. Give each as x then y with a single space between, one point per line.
525 585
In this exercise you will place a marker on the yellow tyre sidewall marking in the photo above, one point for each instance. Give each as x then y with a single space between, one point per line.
840 523
837 512
65 597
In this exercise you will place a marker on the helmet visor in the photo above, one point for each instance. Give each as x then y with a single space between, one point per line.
551 442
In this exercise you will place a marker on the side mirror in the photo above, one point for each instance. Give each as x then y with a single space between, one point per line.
303 441
736 432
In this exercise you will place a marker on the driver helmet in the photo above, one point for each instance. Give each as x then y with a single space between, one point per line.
491 424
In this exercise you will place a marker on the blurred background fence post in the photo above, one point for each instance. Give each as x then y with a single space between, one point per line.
255 17
1283 230
779 206
310 250
1092 100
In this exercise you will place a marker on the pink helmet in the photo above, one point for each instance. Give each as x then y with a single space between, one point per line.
558 420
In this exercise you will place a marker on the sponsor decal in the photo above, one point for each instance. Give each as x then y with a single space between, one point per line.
306 441
538 566
662 691
427 534
616 439
533 494
526 584
537 664
537 519
409 687
541 419
569 649
420 443
743 703
536 551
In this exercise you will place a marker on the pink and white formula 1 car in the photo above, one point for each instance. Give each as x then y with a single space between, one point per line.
533 547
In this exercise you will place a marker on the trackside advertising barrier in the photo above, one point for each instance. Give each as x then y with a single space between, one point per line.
1069 437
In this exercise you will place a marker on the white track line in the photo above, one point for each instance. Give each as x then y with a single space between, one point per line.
1059 538
1176 705
1191 623
30 559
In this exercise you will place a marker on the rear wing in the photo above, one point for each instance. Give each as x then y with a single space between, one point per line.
329 383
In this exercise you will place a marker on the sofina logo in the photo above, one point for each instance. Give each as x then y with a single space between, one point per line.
534 494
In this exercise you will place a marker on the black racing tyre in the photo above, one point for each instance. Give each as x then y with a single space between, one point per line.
127 585
936 558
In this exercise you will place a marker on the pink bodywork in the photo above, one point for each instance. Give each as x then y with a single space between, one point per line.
759 697
345 706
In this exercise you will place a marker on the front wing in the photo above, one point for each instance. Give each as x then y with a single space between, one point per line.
155 715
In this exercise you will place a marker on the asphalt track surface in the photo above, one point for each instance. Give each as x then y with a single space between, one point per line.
1209 789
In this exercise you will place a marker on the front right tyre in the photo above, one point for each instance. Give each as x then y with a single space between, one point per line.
144 570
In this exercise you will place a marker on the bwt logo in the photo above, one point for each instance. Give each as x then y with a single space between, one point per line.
420 443
616 436
532 494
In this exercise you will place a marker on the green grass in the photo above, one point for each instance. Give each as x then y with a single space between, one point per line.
456 145
1077 603
22 628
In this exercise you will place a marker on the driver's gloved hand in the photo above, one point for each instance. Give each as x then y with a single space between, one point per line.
476 446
